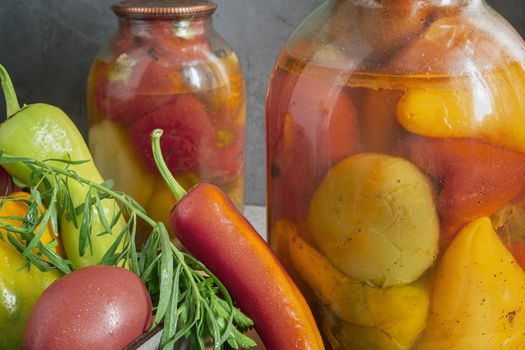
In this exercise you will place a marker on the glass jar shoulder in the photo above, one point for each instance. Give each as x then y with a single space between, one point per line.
175 57
405 37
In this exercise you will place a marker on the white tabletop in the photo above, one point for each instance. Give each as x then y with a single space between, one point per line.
257 217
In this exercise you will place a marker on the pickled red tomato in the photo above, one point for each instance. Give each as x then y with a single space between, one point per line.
279 97
518 252
289 189
380 129
443 46
178 44
477 179
381 25
226 105
316 126
124 40
224 161
134 84
293 180
187 132
327 116
141 79
376 32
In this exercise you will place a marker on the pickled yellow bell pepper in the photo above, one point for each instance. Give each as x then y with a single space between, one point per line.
385 318
114 157
353 337
478 301
490 107
20 287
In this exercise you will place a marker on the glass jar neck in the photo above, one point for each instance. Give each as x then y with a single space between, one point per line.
188 27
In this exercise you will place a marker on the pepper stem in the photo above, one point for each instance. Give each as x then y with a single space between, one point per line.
175 188
11 102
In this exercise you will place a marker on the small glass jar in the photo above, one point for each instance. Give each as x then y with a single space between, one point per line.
167 68
396 173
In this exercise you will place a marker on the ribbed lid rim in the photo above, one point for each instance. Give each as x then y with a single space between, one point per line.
147 9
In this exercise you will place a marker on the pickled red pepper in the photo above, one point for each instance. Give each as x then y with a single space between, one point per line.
216 233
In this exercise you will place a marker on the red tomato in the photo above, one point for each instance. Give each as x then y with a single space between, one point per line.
97 307
187 133
477 178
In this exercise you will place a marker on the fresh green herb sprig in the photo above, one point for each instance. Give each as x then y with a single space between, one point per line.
188 299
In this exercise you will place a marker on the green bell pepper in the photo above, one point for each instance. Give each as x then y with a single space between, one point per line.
44 132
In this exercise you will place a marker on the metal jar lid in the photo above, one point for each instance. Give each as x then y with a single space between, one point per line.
163 9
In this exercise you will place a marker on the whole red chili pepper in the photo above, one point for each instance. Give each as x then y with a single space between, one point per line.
216 233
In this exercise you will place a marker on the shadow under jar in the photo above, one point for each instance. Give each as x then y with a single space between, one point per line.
167 68
396 173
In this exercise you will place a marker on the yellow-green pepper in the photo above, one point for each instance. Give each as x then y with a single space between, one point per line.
43 132
20 287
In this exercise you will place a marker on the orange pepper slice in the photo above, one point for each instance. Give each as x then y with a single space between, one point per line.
15 205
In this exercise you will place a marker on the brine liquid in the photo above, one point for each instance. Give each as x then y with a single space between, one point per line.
375 184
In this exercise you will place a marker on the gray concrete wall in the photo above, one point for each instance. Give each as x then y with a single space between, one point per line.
47 46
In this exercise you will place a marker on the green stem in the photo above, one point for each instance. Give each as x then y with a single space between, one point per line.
196 290
123 199
11 102
175 188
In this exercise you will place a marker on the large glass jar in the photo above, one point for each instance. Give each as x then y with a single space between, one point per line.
396 173
167 68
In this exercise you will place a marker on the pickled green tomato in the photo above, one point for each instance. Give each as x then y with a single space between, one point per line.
374 218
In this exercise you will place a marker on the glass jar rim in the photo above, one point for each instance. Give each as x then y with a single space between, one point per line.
163 9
